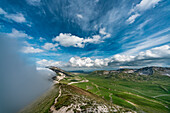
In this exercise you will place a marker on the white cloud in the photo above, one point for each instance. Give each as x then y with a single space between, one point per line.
146 4
33 2
132 18
87 62
2 11
31 50
44 63
96 39
50 46
156 56
147 43
161 53
142 6
122 58
18 17
18 34
107 36
140 27
157 52
81 62
102 31
79 16
29 37
41 39
68 40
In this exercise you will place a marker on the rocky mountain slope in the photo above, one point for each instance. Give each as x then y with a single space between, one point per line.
141 71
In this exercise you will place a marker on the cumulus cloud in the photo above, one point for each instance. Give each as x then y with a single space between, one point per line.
157 52
158 56
80 62
122 58
132 18
50 46
68 40
87 62
31 50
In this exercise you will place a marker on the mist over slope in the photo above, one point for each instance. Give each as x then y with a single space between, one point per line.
20 82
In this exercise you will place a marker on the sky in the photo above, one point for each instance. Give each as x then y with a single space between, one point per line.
89 34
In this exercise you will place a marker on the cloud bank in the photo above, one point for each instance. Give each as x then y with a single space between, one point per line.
157 56
20 82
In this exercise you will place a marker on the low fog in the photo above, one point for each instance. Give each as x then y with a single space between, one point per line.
20 82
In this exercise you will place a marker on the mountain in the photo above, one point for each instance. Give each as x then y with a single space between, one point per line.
141 71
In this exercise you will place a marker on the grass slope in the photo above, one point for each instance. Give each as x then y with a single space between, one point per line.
136 94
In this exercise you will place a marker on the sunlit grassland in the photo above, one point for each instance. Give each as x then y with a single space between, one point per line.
136 95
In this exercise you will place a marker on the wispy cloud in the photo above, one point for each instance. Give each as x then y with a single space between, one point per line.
158 38
132 18
34 2
45 62
18 17
31 50
41 39
18 34
50 46
142 6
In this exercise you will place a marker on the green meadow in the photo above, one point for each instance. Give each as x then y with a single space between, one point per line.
141 95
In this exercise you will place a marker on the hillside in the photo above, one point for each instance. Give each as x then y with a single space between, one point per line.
142 74
125 90
143 90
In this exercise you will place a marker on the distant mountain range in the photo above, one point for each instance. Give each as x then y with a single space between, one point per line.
141 71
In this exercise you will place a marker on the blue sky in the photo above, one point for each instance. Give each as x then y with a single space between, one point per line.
83 34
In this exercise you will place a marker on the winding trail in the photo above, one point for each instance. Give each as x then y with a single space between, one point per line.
78 82
53 106
161 95
110 95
